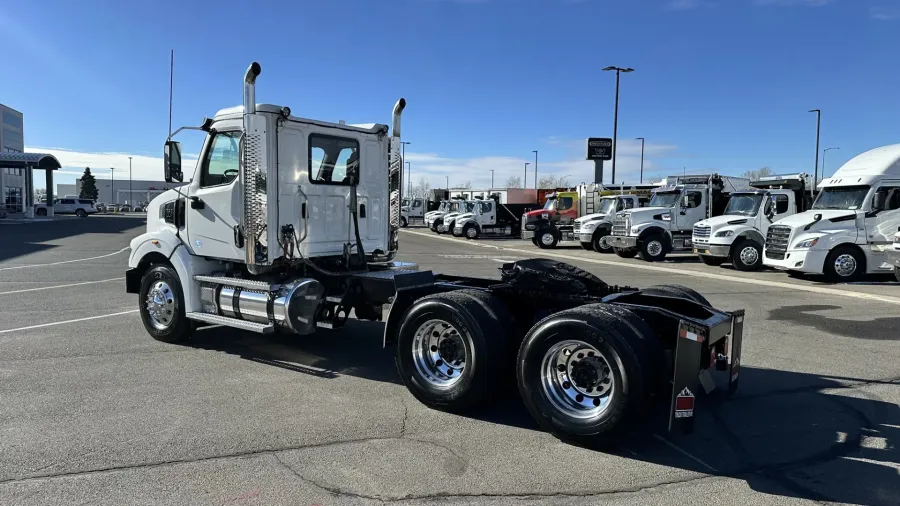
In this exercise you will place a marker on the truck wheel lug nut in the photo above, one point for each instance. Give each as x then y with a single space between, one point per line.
567 385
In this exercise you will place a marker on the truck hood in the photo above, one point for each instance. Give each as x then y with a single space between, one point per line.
434 213
717 222
450 216
538 213
644 213
846 219
591 217
464 216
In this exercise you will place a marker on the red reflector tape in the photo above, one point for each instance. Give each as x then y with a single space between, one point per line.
693 336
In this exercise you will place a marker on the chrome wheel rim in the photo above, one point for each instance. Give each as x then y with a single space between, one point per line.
439 353
749 255
845 265
654 248
160 305
577 379
547 239
602 244
470 232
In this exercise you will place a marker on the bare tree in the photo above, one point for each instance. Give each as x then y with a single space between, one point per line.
467 185
514 182
421 189
754 175
552 181
654 180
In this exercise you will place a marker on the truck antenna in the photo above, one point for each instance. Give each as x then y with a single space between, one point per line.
171 71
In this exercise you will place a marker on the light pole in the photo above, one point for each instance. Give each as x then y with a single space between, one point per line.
535 169
525 181
818 130
816 183
403 158
130 189
618 70
492 179
409 176
112 189
642 157
448 186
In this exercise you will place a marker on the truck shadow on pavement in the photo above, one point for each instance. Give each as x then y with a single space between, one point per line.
18 240
784 433
879 329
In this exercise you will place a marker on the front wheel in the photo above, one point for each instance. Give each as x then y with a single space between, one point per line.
471 231
437 227
600 244
452 230
547 240
626 253
746 255
844 264
653 248
80 213
161 304
403 222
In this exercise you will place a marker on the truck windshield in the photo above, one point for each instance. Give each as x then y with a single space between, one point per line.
607 206
470 207
844 197
744 204
405 203
550 205
665 199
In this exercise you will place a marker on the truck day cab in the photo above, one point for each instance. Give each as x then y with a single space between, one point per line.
850 226
445 223
412 210
591 230
666 224
291 224
740 233
433 218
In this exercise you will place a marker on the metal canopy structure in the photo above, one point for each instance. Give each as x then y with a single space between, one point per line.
28 162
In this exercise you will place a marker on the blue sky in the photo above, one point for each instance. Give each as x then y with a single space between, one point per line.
719 84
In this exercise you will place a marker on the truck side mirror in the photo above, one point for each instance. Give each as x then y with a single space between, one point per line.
685 201
879 202
172 162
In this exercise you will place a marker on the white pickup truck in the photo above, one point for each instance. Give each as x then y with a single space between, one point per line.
740 233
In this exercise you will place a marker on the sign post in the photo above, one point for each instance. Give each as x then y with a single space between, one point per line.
598 150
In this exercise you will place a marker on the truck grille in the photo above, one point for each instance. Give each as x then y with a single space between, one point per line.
577 227
777 241
620 226
702 231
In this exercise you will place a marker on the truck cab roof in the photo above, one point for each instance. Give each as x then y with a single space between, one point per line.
867 168
238 111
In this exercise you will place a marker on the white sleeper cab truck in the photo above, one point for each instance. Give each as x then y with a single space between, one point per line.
740 233
290 225
850 226
893 255
591 230
666 224
412 210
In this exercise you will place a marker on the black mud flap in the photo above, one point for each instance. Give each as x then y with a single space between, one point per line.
690 362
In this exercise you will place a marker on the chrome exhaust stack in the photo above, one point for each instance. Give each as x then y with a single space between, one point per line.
395 182
253 179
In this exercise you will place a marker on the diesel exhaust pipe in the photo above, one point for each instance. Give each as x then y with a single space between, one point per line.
253 178
395 119
395 182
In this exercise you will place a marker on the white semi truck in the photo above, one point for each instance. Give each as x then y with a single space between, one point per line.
666 224
740 233
291 224
591 230
850 226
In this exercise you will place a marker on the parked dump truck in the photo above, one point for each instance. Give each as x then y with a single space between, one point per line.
593 229
589 358
490 218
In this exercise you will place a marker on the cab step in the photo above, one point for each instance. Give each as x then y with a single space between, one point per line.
249 284
214 319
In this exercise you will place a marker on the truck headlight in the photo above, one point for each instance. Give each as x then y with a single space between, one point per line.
667 217
809 243
587 227
635 230
725 233
529 226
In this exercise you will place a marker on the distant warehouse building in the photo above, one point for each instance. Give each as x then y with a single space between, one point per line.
124 192
12 140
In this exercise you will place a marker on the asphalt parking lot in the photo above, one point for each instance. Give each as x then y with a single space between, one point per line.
92 410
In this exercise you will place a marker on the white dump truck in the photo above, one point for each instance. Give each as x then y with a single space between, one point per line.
851 225
591 230
666 224
291 225
739 235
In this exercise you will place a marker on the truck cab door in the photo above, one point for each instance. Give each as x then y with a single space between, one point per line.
692 209
881 225
214 203
488 213
567 207
418 208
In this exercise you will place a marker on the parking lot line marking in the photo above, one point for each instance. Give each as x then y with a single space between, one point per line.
697 274
62 286
68 321
126 248
685 453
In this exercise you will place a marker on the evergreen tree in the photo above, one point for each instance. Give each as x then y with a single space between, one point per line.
88 186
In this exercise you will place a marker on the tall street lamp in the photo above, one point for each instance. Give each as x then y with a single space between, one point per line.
618 70
403 157
816 183
525 181
492 178
130 188
642 157
535 169
818 130
112 189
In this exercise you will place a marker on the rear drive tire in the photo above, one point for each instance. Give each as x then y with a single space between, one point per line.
844 264
585 374
713 261
599 243
653 248
677 291
626 253
746 255
161 304
547 239
452 349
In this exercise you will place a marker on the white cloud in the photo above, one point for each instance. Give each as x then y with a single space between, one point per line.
884 13
143 167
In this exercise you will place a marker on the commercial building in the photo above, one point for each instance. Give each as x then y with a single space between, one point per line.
119 191
12 140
